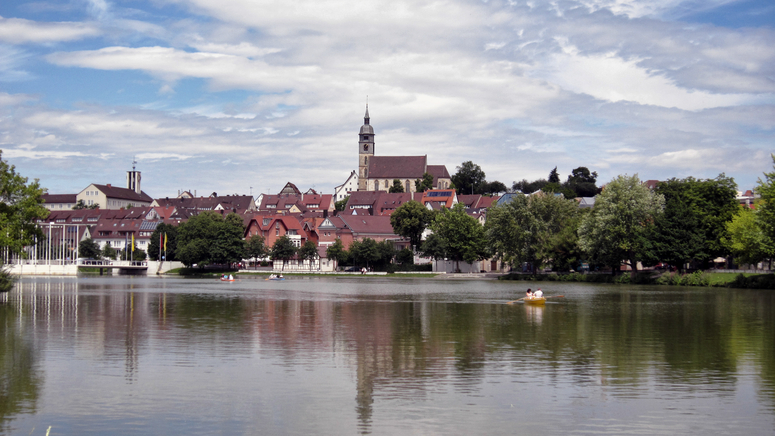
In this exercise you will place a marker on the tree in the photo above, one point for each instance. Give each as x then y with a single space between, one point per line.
283 249
469 179
255 247
526 187
89 249
341 204
365 252
209 238
309 252
156 244
462 234
434 247
424 184
397 187
109 252
715 203
336 252
410 221
619 226
492 188
582 182
765 210
539 229
678 236
21 205
405 257
746 240
554 176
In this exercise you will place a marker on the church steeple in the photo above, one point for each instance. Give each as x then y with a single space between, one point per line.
365 150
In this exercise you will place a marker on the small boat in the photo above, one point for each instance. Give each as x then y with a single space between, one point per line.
540 301
227 280
276 278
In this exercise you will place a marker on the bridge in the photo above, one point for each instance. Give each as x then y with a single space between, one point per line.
122 265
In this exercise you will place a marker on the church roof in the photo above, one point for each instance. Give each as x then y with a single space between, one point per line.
397 167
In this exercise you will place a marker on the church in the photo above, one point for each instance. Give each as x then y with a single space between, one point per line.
376 173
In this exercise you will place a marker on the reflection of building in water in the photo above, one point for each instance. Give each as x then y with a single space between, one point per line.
107 326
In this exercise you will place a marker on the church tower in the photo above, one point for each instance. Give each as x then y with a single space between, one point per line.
365 151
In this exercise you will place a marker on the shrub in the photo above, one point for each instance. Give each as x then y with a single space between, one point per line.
7 280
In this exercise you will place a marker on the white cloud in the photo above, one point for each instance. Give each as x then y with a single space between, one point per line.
611 78
20 31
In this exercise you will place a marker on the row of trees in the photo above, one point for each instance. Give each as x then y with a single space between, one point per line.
682 222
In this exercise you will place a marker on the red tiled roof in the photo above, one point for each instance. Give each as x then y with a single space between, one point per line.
123 193
59 198
368 225
397 167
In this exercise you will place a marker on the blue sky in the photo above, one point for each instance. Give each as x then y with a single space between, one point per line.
241 96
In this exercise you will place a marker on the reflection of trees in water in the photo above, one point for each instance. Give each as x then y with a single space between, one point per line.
20 378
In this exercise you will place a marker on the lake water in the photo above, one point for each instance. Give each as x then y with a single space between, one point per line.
384 356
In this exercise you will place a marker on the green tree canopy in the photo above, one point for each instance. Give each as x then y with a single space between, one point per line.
424 184
255 247
21 205
469 179
462 235
82 205
619 226
492 188
747 241
109 252
410 221
582 182
539 229
397 187
337 252
283 249
89 249
309 252
554 176
157 242
208 238
765 211
526 187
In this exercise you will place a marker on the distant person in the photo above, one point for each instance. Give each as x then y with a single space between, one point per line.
529 293
538 293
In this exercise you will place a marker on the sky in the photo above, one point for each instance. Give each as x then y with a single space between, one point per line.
243 96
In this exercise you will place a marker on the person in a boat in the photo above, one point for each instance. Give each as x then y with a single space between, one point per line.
231 277
529 293
281 276
538 293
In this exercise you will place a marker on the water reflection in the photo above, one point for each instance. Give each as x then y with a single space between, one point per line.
401 355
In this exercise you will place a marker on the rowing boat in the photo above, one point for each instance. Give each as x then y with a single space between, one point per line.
540 301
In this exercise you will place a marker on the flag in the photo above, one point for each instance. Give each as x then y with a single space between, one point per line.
133 242
165 242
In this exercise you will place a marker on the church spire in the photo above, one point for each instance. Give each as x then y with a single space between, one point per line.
366 117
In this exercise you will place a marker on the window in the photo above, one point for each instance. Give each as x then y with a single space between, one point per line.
267 221
277 232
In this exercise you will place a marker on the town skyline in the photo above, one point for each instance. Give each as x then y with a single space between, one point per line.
232 95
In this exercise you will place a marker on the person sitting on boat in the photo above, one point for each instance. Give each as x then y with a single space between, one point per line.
281 276
231 277
529 293
538 293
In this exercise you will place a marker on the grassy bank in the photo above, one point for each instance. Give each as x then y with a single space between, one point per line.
697 278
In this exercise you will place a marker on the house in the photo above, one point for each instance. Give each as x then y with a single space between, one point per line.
435 199
291 201
112 197
345 189
59 201
377 202
239 204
